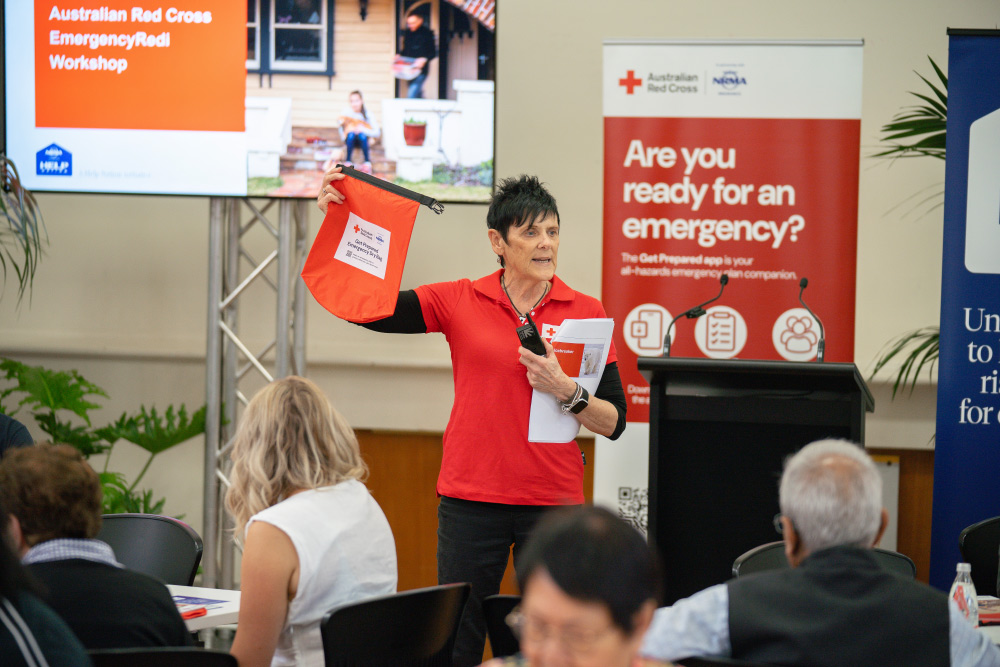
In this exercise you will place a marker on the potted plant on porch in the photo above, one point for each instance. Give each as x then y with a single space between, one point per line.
414 131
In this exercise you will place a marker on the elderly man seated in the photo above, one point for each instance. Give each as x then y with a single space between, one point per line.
54 499
835 606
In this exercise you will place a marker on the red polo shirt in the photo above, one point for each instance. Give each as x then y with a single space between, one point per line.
487 456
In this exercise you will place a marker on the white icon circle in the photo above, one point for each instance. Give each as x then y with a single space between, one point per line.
720 333
644 328
796 335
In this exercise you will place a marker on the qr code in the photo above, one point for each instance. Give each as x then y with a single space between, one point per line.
633 506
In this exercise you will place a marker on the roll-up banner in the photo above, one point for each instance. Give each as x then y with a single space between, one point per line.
724 157
967 449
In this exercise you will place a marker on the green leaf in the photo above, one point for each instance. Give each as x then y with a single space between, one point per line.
60 432
115 492
941 94
926 122
118 499
917 350
156 433
941 75
22 230
112 432
54 390
936 107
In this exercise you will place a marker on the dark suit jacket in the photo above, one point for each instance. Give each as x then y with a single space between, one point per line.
838 608
111 607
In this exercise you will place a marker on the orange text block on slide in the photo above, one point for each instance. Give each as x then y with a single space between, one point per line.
118 65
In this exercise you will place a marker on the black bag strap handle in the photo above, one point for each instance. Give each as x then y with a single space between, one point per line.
429 202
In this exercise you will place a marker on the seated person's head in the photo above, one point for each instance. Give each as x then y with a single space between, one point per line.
414 21
830 495
51 492
12 577
589 584
289 438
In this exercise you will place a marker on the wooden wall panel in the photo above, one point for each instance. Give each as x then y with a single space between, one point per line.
404 468
916 489
403 476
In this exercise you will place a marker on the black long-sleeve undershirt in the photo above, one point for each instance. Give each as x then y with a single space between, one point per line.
408 318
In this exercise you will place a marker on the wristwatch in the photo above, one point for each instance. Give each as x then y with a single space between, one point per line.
576 404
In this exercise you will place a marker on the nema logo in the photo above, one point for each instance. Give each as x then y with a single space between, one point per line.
729 80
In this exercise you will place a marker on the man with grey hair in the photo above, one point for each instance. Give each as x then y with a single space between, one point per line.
836 606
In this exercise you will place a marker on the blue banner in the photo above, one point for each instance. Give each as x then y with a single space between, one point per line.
967 453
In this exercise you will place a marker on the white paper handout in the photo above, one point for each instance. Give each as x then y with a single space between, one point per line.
364 246
582 348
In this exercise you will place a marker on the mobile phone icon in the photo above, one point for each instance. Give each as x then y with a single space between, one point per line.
652 338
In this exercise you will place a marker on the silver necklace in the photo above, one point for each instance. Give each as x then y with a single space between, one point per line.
503 284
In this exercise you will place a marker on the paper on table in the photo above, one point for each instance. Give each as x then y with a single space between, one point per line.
582 348
989 610
187 599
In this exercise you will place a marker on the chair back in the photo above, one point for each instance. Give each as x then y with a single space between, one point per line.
159 546
161 656
502 639
771 556
410 629
980 547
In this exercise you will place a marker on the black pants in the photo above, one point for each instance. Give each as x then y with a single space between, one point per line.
474 541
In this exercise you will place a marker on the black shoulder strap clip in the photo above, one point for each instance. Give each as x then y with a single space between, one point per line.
429 202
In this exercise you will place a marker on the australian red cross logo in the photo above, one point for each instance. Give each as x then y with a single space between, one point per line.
356 229
550 331
630 82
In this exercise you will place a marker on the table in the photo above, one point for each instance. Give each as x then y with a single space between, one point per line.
991 631
223 613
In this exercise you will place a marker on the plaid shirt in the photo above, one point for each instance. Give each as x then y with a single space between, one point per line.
65 548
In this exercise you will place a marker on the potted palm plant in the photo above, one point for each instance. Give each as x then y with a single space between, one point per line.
916 131
22 230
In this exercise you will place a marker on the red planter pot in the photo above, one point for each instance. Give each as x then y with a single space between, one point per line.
414 134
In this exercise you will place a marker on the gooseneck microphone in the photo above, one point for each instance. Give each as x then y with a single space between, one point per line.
693 313
821 345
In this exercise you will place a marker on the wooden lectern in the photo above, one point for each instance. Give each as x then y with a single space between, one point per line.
719 432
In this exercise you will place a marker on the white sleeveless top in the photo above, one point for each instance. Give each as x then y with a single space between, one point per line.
346 553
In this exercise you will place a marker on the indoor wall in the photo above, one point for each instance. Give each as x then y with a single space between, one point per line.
121 292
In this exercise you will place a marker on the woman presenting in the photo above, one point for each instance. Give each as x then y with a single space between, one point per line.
493 483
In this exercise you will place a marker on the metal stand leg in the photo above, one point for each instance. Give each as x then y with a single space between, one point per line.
226 350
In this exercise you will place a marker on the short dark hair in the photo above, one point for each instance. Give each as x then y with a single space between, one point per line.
519 201
52 491
594 556
13 578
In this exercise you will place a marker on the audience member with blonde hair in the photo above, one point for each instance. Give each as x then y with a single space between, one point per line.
314 538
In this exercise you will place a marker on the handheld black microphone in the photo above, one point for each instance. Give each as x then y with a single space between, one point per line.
821 345
693 313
